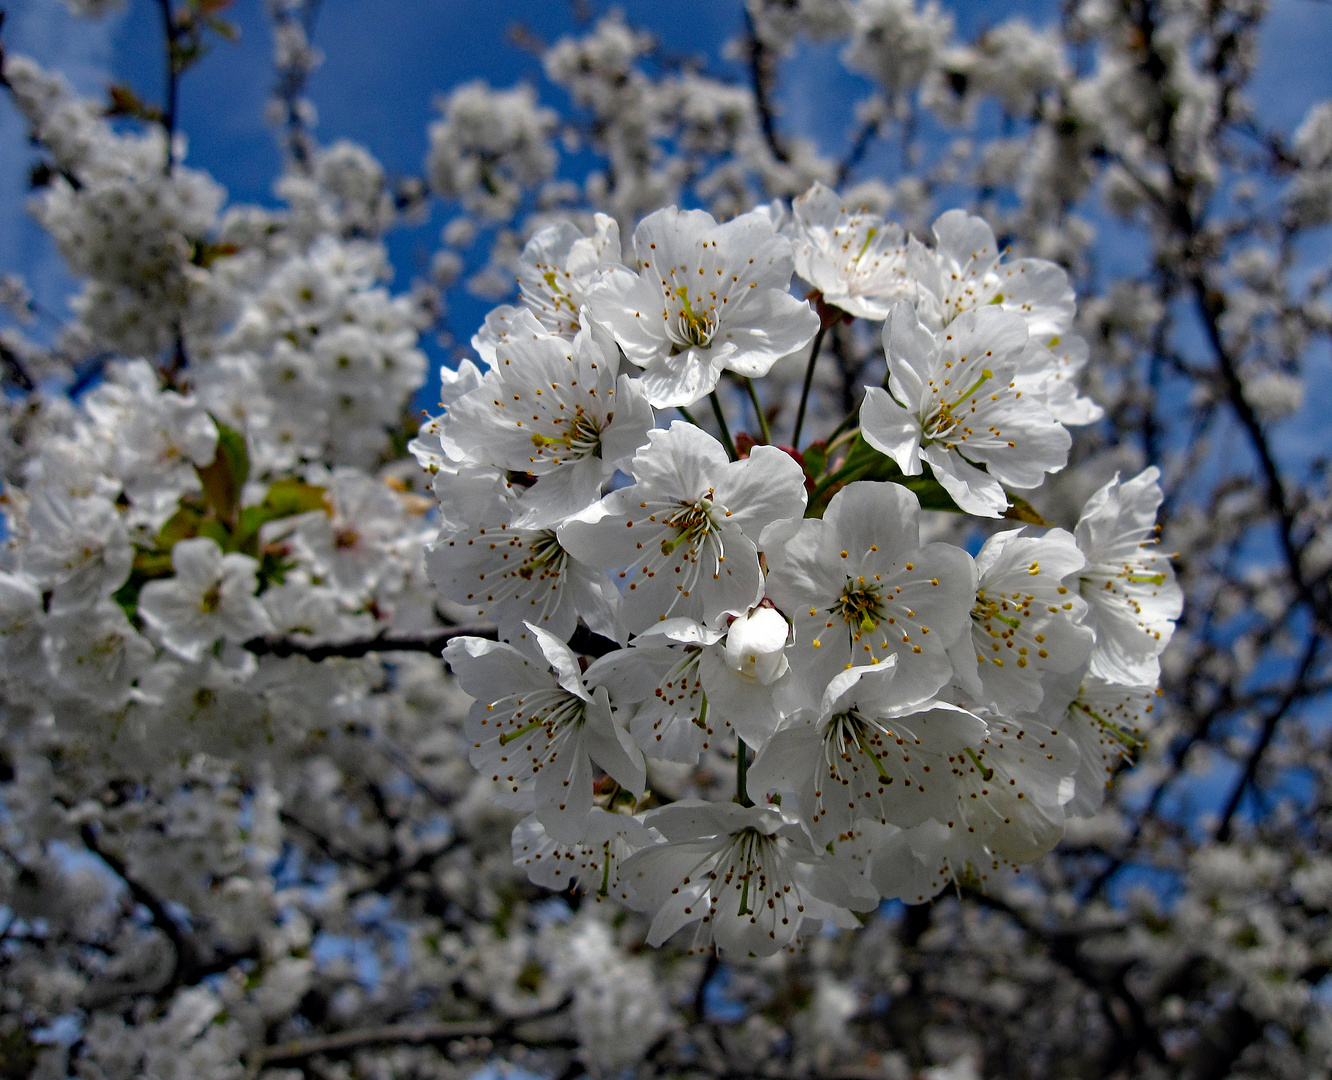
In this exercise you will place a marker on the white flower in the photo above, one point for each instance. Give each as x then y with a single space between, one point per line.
863 755
708 680
157 440
210 599
1050 369
541 731
1025 622
77 547
686 534
620 1008
915 865
747 875
510 573
672 720
955 404
429 448
21 624
353 545
592 864
556 269
554 409
963 273
857 261
489 146
1012 787
860 589
1107 721
97 653
707 298
1132 598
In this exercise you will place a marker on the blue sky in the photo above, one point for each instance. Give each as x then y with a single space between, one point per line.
388 59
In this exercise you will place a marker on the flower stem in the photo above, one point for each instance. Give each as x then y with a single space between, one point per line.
809 382
742 773
849 421
758 409
721 423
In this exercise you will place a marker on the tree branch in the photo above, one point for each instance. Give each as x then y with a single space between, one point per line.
409 1034
187 954
1270 723
762 76
431 641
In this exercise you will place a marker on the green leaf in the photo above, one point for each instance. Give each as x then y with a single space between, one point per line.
215 530
863 462
1021 510
225 476
123 101
285 498
932 494
815 456
181 525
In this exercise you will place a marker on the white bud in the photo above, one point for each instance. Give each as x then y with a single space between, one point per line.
756 645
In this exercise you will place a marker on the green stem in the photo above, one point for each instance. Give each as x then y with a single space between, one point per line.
742 773
689 417
758 409
843 475
721 423
834 441
809 382
848 422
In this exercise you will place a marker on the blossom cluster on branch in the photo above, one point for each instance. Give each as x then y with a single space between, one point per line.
917 716
911 621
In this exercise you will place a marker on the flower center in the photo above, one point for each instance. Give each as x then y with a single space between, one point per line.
579 439
750 849
693 327
545 558
860 606
692 523
942 423
851 732
549 709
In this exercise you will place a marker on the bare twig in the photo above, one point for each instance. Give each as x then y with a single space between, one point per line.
1270 722
431 641
763 77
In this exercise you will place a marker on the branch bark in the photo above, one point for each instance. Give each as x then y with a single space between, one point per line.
429 641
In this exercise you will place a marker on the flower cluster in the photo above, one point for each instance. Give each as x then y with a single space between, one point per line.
178 514
900 714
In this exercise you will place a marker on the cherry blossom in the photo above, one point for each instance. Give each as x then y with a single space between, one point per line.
707 298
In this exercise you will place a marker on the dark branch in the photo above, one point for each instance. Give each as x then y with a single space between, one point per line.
1270 722
763 76
583 641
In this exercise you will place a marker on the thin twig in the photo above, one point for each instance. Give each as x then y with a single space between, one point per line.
1270 723
726 439
431 641
170 32
808 384
762 75
758 411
